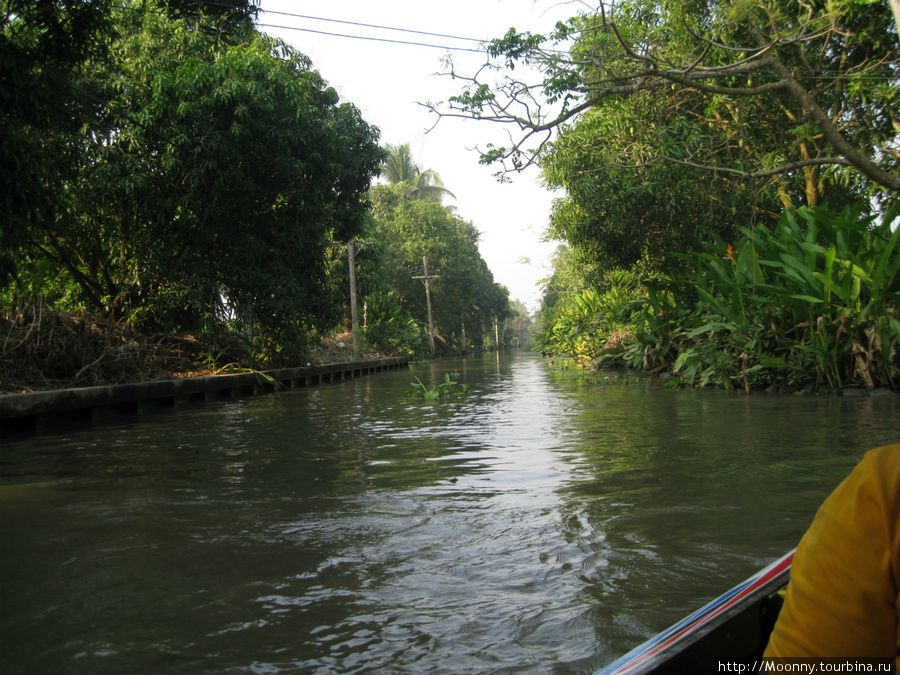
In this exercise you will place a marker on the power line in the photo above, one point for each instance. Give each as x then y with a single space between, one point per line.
359 25
809 74
259 24
369 25
375 39
481 50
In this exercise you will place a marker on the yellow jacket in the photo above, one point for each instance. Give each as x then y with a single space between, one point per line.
842 599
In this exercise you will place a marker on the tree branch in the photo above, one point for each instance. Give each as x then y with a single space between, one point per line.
761 66
768 173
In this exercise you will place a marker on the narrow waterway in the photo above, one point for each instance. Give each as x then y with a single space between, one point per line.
546 523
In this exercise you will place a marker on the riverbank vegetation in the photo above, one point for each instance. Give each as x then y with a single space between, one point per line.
170 170
812 302
729 175
730 179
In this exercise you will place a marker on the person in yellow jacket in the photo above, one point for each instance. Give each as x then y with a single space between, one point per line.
842 599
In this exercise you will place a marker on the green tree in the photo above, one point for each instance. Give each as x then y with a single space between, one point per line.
620 208
49 106
826 71
680 122
42 44
519 325
465 296
400 169
222 167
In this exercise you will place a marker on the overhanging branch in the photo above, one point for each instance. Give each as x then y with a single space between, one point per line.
767 173
623 69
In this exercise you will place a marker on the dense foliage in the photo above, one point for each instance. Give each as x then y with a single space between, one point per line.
42 44
464 297
169 167
825 74
672 127
675 122
813 301
689 151
208 165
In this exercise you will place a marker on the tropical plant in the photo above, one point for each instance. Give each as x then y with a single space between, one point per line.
449 388
390 330
587 324
813 300
399 168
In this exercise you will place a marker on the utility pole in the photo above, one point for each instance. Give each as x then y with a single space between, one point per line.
427 279
354 312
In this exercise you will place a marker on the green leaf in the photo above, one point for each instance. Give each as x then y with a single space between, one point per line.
806 298
773 362
711 327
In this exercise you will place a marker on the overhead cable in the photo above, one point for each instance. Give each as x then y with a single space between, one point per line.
358 24
369 25
374 39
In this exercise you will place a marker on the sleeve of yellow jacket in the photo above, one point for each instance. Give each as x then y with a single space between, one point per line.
842 598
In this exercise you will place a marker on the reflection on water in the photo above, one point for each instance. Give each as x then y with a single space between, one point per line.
544 524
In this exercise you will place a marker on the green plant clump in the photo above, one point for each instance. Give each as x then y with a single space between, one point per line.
449 388
391 330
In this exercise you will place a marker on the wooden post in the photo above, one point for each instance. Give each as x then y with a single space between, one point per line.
426 278
354 312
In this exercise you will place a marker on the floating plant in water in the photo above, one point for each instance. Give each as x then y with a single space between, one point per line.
449 388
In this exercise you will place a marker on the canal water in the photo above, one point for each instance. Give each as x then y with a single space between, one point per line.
546 523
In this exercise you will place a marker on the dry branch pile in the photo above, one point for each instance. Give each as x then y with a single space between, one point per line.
44 349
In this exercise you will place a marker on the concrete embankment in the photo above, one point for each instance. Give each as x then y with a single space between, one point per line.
46 411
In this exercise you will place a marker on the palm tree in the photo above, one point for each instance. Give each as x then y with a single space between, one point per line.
399 168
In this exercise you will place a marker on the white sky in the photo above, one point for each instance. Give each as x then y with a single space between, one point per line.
386 81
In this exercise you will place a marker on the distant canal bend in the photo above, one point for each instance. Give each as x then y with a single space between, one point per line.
544 524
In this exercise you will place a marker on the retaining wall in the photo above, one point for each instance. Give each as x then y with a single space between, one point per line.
50 410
